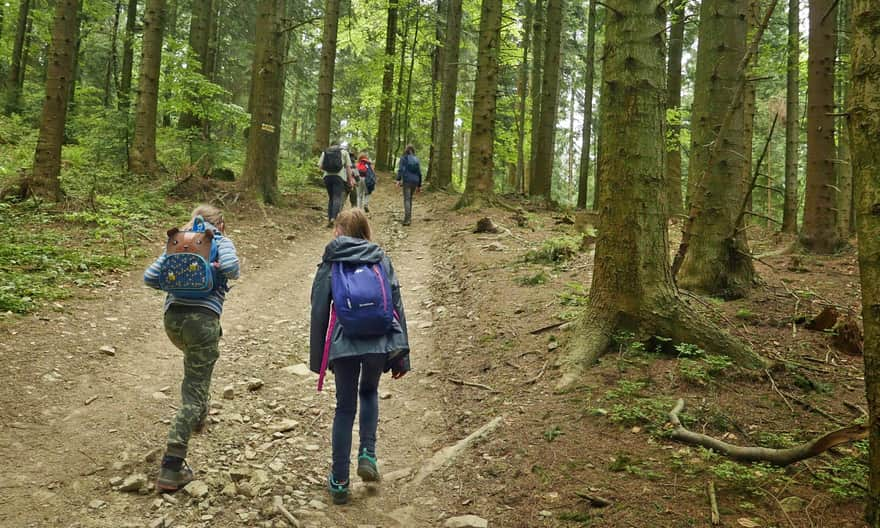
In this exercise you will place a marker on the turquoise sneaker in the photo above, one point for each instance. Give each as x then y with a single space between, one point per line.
338 491
367 467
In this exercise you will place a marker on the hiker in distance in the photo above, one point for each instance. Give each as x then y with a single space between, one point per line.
358 331
194 269
336 164
368 177
409 176
355 180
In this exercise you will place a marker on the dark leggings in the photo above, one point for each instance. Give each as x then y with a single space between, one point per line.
335 195
348 371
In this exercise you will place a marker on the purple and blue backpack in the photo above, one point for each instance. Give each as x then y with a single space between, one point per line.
362 298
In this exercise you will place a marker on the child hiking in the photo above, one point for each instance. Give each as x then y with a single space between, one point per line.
358 330
409 175
336 166
192 322
367 181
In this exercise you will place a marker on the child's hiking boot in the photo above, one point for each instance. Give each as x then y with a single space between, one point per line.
368 468
173 475
338 490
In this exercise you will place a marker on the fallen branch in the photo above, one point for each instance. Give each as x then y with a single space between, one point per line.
594 500
548 327
779 392
538 376
472 384
777 457
289 516
713 504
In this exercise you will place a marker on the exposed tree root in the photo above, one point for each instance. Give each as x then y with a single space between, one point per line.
592 337
777 457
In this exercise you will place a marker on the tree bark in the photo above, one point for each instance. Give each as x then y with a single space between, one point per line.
412 63
522 97
397 116
632 285
325 77
481 166
819 232
716 263
44 180
542 179
587 130
864 129
446 124
538 18
110 73
792 119
843 165
128 55
436 68
142 156
673 103
383 135
26 51
260 174
71 100
199 37
13 78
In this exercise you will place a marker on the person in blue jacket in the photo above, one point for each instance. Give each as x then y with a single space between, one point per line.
193 325
409 176
357 362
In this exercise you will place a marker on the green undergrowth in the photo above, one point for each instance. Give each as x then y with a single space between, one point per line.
555 250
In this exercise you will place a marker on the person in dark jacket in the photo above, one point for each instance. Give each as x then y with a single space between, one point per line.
409 176
357 362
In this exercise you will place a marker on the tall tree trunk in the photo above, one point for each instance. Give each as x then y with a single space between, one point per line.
325 77
446 125
110 73
261 165
44 180
792 119
199 37
383 136
436 67
522 85
481 166
142 156
26 52
716 263
71 101
412 64
864 130
843 166
587 130
752 16
570 172
538 18
819 232
542 179
171 18
632 287
396 122
673 103
13 78
128 55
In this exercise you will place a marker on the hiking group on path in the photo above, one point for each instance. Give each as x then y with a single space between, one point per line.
358 324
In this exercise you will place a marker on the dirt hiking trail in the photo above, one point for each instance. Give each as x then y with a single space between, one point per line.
91 387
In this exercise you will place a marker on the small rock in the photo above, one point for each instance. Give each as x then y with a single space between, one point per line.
133 482
108 350
426 324
249 454
170 499
315 504
385 395
153 454
159 396
97 504
255 384
196 489
158 523
300 369
228 392
312 447
239 474
545 513
229 490
245 488
284 426
115 481
466 521
276 466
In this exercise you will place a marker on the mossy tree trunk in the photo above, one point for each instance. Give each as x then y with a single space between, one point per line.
673 104
845 223
717 262
587 129
44 180
142 156
792 119
481 166
632 287
522 87
538 19
864 123
124 94
446 124
542 178
13 77
325 76
260 174
383 136
819 232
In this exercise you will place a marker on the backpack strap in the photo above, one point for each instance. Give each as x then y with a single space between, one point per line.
326 358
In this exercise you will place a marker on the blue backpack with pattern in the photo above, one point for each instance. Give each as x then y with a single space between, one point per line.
188 270
362 298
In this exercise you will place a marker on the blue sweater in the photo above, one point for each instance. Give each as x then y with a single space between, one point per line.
409 171
229 268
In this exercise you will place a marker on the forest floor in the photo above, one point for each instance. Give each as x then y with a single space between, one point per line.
88 386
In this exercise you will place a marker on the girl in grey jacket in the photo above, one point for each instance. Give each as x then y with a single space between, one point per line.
357 362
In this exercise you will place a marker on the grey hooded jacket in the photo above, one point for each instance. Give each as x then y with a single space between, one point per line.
395 344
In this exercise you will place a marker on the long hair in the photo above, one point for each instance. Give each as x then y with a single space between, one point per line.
209 213
353 222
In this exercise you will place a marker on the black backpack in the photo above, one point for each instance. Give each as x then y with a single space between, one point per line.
332 161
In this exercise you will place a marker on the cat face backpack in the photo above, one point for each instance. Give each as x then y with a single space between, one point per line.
188 270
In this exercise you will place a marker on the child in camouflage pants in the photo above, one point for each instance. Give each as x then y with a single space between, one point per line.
193 325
